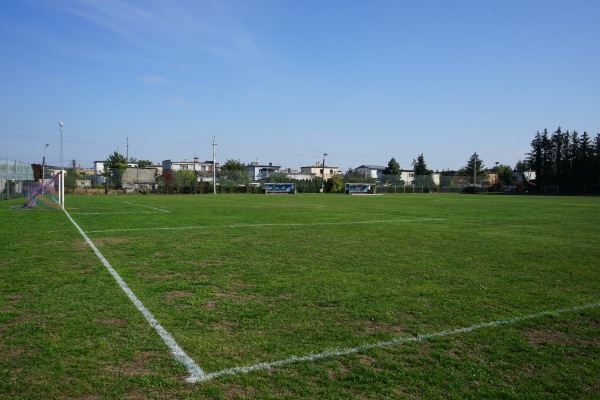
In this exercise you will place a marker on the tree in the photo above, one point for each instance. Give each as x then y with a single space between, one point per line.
474 167
505 175
420 167
393 168
278 177
335 184
116 160
71 179
354 176
233 174
423 176
392 173
565 159
115 166
144 163
521 166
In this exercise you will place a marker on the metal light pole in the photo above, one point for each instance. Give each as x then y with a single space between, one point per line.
323 177
44 167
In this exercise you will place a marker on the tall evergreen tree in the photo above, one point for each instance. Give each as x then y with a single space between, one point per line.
565 159
474 168
423 176
420 166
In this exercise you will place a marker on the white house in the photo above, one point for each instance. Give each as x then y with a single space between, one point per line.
376 172
256 172
321 171
185 165
371 171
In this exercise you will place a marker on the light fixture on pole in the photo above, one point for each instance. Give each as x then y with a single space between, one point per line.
44 166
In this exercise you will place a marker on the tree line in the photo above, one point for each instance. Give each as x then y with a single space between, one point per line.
565 159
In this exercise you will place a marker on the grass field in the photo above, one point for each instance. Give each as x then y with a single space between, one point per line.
305 296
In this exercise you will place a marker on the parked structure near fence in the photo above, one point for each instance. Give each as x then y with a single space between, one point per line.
14 176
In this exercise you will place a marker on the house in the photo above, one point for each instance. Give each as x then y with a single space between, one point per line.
257 172
139 179
377 172
98 178
321 171
185 165
371 171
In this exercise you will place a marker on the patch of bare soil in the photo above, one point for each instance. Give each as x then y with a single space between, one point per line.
111 240
110 321
177 294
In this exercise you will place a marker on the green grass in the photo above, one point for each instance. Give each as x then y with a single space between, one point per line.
244 279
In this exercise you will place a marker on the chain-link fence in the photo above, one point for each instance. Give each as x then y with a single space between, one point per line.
438 184
14 177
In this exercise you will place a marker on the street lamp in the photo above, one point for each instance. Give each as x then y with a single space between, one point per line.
323 175
44 167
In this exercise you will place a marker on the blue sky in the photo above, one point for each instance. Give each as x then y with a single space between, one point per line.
286 81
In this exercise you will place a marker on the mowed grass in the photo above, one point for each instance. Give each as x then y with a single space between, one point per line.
246 279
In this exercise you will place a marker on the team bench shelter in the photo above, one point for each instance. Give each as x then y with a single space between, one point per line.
286 188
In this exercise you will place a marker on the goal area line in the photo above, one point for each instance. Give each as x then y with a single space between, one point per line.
268 225
197 374
341 351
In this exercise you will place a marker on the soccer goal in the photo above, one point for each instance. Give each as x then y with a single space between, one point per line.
359 188
279 188
48 193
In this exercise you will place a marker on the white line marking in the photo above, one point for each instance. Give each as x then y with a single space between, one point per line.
194 370
388 343
114 212
266 225
141 205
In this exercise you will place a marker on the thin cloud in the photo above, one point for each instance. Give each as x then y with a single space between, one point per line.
192 25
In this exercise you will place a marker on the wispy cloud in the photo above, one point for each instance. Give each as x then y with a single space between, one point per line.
152 24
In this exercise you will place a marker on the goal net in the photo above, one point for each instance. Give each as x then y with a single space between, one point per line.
49 193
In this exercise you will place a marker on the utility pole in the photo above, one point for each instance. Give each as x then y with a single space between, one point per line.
475 169
323 175
127 151
214 144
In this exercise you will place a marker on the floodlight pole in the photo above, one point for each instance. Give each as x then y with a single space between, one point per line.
323 175
44 167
